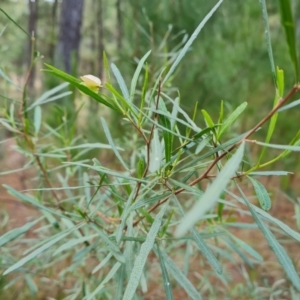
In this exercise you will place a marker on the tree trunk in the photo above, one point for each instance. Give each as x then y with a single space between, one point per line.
119 25
32 25
100 38
69 33
52 32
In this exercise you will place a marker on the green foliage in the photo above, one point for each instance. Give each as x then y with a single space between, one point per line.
100 223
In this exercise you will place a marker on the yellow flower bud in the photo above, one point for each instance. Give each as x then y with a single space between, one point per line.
92 82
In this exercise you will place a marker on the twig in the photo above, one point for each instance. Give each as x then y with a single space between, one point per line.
293 91
148 141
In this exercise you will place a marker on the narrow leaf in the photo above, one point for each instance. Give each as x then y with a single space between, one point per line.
111 142
208 120
102 263
37 119
167 283
190 41
12 20
136 75
289 28
77 83
268 37
279 251
291 105
273 121
180 277
120 81
16 232
141 259
270 173
48 96
168 136
281 147
202 246
235 114
112 246
108 277
211 195
40 250
262 194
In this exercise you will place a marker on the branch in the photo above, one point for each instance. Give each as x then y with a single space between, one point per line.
293 91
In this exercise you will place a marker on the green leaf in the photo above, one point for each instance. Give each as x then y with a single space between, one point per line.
289 28
167 283
31 285
173 119
141 167
33 201
8 126
268 38
239 252
289 231
117 95
148 201
106 171
279 251
281 147
15 22
144 93
247 248
291 105
40 250
102 263
280 81
16 232
190 41
180 277
168 136
106 67
141 259
37 119
2 74
212 193
130 249
136 75
120 81
166 224
279 94
221 116
262 194
156 153
120 278
181 111
208 120
108 277
73 242
202 246
235 114
111 142
46 97
77 83
147 216
90 146
222 147
113 247
270 173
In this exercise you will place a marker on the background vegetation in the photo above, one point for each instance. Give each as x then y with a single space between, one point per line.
60 134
